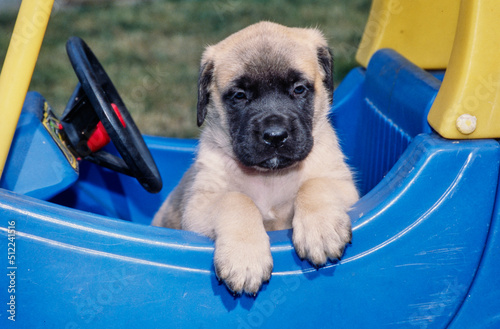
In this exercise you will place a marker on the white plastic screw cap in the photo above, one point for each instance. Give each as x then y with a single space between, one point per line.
466 124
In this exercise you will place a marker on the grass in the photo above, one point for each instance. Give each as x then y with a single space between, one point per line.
151 49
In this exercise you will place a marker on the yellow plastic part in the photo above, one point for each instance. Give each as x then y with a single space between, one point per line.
18 67
468 103
420 30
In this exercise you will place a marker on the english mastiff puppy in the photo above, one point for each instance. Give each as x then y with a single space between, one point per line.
268 158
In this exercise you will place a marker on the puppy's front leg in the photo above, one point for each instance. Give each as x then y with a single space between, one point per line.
242 256
321 226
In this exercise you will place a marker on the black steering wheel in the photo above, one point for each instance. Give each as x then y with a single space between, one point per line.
94 105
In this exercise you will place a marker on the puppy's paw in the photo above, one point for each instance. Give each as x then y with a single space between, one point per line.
243 264
322 235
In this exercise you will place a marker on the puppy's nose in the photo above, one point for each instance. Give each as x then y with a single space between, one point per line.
275 136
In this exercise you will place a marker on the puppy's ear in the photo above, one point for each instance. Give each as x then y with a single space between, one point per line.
204 80
325 58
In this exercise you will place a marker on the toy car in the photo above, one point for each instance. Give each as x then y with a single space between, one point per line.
79 252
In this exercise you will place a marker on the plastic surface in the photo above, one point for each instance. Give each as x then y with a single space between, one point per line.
481 305
471 84
422 31
422 246
111 194
18 67
36 165
392 99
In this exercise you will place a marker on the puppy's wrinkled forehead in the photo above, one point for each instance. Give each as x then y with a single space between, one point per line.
266 51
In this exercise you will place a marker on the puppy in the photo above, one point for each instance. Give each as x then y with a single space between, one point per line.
268 158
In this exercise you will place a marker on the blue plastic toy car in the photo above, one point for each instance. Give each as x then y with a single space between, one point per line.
79 252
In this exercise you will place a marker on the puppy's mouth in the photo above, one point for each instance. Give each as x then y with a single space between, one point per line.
276 162
264 158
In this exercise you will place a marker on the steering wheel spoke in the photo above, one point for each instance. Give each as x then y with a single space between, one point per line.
110 161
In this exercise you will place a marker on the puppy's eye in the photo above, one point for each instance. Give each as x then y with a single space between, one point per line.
299 90
239 96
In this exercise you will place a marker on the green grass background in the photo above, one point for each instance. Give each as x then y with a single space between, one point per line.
151 49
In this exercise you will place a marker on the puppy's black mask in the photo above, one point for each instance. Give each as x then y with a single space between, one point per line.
270 118
270 111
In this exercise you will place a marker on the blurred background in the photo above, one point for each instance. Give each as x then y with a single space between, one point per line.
151 48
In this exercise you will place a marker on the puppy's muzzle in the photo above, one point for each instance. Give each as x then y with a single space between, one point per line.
272 140
274 143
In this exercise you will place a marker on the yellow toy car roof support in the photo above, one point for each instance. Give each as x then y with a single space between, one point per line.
420 30
18 67
468 103
460 36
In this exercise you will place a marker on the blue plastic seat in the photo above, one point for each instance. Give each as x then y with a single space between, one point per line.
378 111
